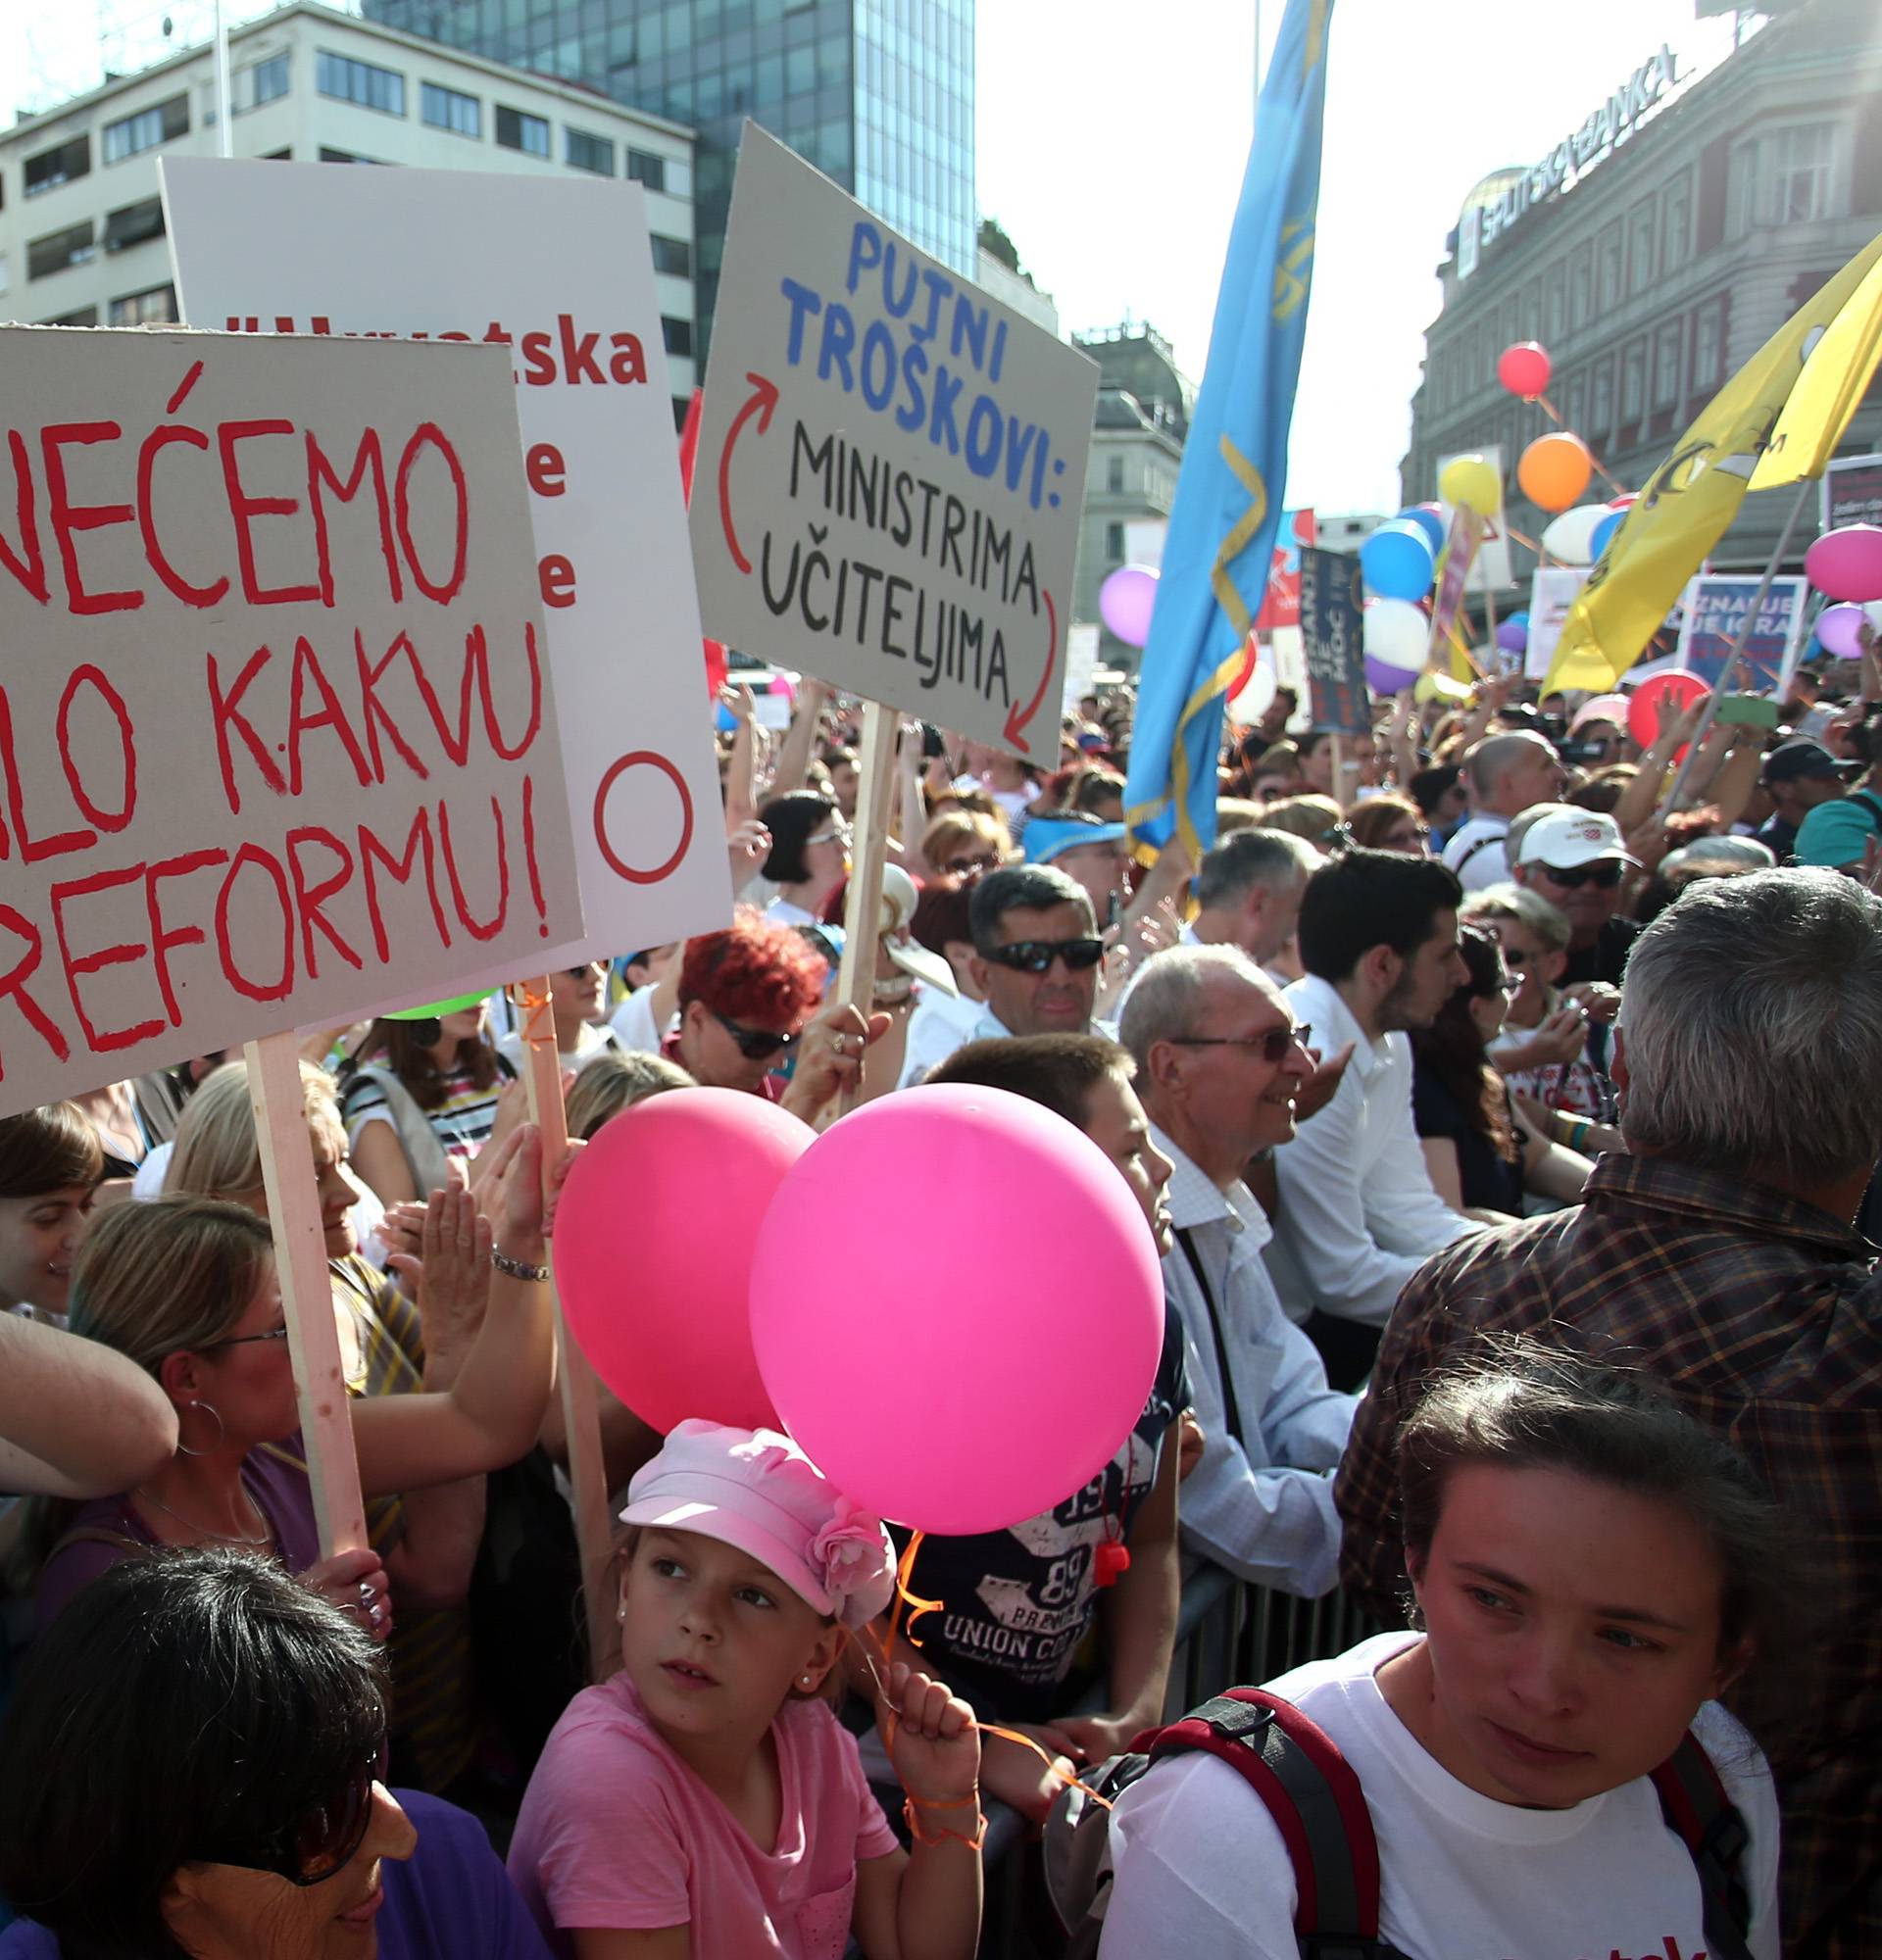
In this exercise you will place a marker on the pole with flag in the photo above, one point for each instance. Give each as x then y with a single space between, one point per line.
1230 492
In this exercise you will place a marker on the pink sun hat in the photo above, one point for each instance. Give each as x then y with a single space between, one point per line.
756 1490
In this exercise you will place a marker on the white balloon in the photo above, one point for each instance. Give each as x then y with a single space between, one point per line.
1257 697
1396 632
1570 537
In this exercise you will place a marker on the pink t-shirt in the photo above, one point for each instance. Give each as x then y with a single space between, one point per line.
618 1832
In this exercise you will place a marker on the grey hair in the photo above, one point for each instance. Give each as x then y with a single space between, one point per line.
1249 858
1753 1020
1490 759
1549 924
1167 999
1715 857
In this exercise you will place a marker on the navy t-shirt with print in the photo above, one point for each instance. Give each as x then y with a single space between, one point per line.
1018 1605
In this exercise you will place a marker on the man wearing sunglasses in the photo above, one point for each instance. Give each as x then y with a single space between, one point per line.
1036 952
1576 860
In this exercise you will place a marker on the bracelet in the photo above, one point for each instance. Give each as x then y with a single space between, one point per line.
930 1840
518 1270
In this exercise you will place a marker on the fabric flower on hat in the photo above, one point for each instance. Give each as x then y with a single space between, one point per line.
853 1557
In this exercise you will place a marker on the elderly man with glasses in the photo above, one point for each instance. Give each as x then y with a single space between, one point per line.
1220 1061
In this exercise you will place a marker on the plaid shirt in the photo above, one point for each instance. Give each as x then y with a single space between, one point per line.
1760 1314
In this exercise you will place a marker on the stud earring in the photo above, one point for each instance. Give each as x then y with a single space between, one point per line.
807 1680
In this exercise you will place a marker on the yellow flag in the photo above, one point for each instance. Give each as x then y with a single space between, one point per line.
1833 382
1692 497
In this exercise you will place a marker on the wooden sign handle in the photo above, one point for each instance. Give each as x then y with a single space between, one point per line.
868 853
307 1291
575 1379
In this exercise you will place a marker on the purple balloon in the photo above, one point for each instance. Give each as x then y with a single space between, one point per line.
1512 636
1837 627
1382 677
1847 563
1126 601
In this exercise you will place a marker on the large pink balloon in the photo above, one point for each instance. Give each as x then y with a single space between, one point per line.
964 1382
1126 601
653 1251
1847 563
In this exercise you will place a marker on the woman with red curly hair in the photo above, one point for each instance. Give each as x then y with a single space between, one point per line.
747 997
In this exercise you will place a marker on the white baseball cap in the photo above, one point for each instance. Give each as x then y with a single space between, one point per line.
1568 838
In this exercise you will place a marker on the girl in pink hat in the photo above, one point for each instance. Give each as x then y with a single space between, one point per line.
705 1803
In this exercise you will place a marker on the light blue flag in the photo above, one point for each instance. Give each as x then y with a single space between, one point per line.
1228 495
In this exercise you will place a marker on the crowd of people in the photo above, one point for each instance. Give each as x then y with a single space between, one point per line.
1503 1102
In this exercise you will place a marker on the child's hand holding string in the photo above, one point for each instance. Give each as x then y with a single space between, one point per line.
935 1748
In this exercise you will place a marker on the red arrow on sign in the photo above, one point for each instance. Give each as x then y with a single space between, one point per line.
763 400
1017 716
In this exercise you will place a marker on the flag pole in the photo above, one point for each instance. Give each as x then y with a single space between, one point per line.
1710 714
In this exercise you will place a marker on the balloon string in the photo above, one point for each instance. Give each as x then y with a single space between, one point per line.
1601 468
533 999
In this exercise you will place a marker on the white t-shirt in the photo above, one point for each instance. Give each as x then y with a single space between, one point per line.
634 1025
589 1043
1201 1867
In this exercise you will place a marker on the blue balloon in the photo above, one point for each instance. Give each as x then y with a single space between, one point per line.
1397 562
1602 531
1428 522
1521 618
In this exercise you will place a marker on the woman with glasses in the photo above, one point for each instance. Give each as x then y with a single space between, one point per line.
1482 1158
1390 823
188 1290
810 855
192 1768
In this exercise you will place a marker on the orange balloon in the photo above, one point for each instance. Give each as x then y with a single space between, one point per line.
1554 470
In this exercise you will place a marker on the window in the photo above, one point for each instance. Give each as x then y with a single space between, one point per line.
1633 383
1115 474
673 255
1666 365
132 223
331 156
1581 273
58 164
1640 249
518 131
131 135
1611 268
647 170
1706 348
84 317
1114 542
260 81
59 249
1800 174
450 109
1600 404
677 334
361 83
1676 227
157 304
583 151
1552 311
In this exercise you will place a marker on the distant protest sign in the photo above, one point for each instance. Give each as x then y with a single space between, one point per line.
1552 590
1852 492
1716 606
891 465
1332 619
559 272
1490 568
278 738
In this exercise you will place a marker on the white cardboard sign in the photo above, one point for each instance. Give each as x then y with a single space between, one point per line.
272 749
1490 570
561 271
891 465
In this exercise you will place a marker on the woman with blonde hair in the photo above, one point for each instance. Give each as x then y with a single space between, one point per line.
961 843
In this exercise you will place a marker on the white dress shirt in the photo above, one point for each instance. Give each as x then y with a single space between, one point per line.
1358 1214
1262 1507
940 1023
1478 853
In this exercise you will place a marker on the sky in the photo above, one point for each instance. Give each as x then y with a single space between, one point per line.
1112 137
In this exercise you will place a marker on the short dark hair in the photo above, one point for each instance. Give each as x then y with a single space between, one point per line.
943 913
190 1701
47 1149
1056 1071
791 819
1305 744
1362 898
1429 787
1034 888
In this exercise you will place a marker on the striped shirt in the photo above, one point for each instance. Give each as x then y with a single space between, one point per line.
463 1119
1761 1316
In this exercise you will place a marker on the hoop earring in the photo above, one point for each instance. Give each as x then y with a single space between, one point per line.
221 1431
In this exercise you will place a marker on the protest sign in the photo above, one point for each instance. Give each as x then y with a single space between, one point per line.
1491 571
1552 590
1463 542
891 465
278 740
1081 663
1282 605
1332 614
562 276
1715 608
1853 492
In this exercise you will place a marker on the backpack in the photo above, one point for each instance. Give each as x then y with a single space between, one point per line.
1314 1798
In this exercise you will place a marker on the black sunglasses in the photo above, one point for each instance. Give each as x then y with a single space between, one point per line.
1603 877
1035 955
1272 1043
756 1044
323 1840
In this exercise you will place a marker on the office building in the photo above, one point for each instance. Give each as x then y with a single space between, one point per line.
1654 250
82 227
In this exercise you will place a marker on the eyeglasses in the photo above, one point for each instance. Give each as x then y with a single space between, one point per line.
1035 955
1603 877
756 1044
323 1839
242 1339
1273 1045
835 833
962 865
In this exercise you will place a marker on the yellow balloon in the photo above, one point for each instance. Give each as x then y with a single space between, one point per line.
1473 482
1434 686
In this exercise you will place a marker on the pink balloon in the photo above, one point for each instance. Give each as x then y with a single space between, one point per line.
1524 368
653 1251
1847 563
959 1385
1126 601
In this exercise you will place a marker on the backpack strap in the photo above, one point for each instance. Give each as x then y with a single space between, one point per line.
1231 1401
1314 1798
1699 1814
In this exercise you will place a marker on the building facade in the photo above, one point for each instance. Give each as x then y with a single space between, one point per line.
878 94
81 226
1654 251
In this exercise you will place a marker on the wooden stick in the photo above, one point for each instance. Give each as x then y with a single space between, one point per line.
868 853
307 1291
574 1377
